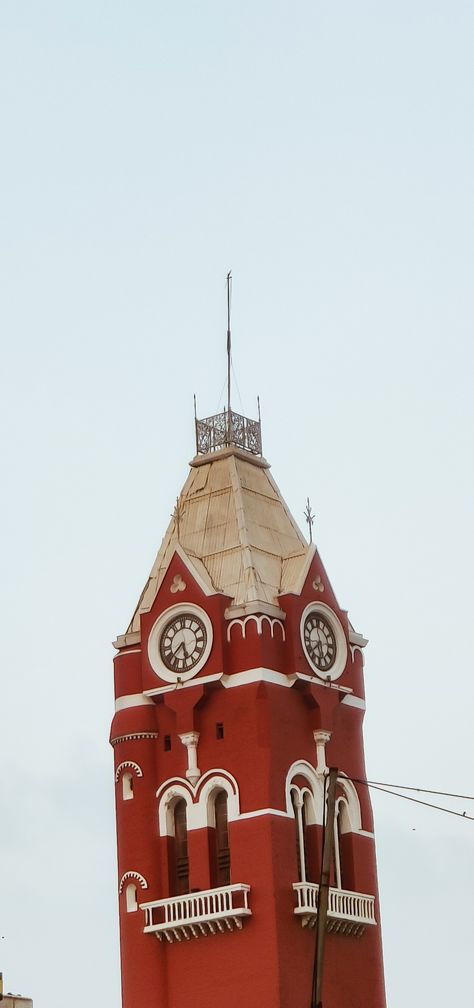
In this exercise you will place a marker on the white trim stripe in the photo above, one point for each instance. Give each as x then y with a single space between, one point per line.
132 700
157 690
264 811
248 676
257 675
354 701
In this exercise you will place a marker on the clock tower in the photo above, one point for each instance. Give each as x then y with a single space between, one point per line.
238 684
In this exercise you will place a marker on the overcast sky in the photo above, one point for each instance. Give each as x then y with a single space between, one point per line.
323 151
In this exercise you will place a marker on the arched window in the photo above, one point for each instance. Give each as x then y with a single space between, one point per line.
127 786
131 898
181 862
298 803
222 850
340 812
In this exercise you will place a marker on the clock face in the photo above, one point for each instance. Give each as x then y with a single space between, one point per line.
319 641
183 641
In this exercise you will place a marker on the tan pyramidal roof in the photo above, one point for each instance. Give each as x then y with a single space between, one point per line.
236 531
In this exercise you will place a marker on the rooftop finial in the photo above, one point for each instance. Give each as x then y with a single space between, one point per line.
229 291
310 516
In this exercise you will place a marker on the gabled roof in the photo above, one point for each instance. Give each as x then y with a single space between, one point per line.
234 528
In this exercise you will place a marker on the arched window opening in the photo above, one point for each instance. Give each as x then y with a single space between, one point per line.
298 804
131 898
340 809
222 857
181 873
127 786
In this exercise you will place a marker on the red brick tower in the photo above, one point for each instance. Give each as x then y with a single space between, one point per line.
238 683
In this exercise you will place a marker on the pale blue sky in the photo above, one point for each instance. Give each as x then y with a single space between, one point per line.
324 152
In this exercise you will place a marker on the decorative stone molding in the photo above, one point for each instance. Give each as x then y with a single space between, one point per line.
351 819
190 740
128 765
357 642
178 585
312 796
258 620
199 800
321 737
318 584
356 648
136 877
134 735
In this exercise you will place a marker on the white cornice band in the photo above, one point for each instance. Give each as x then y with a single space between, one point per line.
132 700
245 678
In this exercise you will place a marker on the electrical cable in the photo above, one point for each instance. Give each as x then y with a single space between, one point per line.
407 787
221 395
418 801
237 385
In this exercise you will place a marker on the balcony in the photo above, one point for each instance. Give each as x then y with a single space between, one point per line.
348 912
200 913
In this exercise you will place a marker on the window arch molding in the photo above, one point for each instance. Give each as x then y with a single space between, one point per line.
312 795
134 876
208 791
128 765
166 807
199 800
351 820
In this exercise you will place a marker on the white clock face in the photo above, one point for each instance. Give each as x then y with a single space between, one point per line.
180 642
324 641
183 642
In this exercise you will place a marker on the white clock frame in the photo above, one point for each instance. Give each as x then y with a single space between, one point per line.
154 657
341 644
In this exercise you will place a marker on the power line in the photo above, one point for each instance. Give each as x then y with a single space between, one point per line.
406 787
418 801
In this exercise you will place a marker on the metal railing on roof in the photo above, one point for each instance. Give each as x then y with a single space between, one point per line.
228 428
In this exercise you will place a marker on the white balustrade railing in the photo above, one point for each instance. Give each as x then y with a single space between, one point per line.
197 913
349 912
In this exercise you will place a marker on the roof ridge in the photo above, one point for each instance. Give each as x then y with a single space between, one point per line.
242 528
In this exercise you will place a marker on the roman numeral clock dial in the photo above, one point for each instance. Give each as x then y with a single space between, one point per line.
320 642
180 642
324 641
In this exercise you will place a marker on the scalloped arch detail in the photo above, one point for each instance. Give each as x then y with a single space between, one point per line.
128 765
142 882
259 621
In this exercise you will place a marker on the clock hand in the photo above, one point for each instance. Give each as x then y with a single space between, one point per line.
320 645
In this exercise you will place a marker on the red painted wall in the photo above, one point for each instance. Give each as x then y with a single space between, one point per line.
267 727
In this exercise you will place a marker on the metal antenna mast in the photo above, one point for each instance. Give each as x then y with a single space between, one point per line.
229 291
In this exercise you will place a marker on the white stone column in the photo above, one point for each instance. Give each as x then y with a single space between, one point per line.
190 740
298 801
321 737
